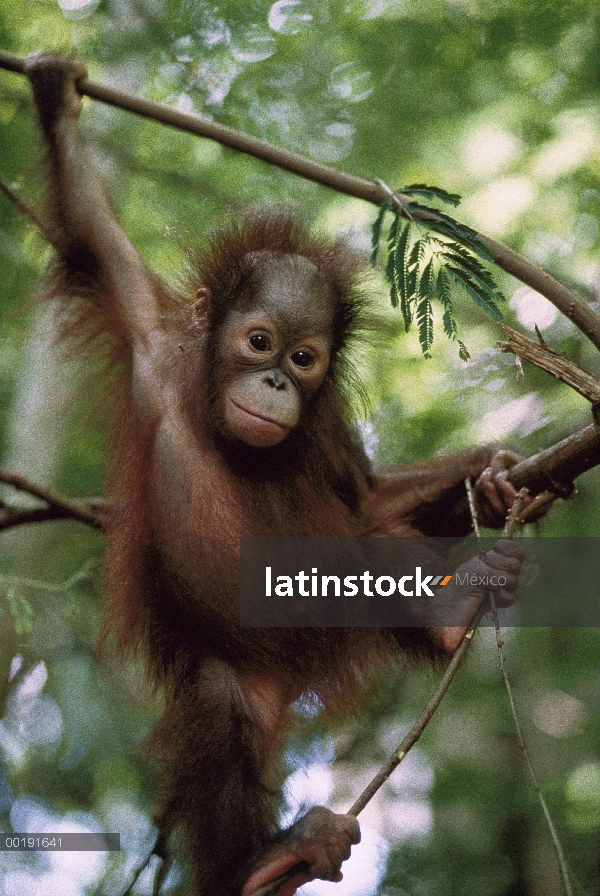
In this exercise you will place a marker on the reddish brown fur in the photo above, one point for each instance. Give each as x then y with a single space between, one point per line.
321 471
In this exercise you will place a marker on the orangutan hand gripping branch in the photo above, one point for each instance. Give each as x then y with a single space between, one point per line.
231 422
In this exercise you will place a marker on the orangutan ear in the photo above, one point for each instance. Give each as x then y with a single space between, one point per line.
202 303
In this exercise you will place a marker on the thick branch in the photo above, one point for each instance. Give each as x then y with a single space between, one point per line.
559 366
566 301
556 467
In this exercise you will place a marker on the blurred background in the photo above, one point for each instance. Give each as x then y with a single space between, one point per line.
497 101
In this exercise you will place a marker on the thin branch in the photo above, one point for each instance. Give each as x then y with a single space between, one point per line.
91 511
419 726
560 856
371 191
206 127
512 518
25 210
400 752
514 514
540 501
19 516
579 312
552 362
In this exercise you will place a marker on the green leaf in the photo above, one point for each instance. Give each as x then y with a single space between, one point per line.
377 228
445 296
463 354
431 193
401 271
390 268
480 279
411 269
479 295
465 259
461 233
425 291
455 259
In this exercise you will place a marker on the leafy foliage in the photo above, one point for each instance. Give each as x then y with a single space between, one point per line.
425 260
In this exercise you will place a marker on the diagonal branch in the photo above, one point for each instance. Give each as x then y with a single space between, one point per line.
25 210
371 191
91 511
556 467
552 362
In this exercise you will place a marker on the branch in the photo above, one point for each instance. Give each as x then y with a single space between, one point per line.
206 127
585 318
434 701
371 191
554 363
91 511
555 468
25 210
516 515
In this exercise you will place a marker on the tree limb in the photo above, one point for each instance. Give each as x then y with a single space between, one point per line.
552 362
91 511
555 468
371 191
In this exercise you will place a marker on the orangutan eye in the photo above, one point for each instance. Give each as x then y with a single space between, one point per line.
302 359
260 343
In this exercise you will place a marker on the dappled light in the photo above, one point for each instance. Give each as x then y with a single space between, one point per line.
533 309
78 9
521 416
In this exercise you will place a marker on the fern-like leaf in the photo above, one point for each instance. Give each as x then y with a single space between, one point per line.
390 273
432 193
377 228
424 261
445 296
401 269
411 269
458 254
460 233
479 296
425 325
424 314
